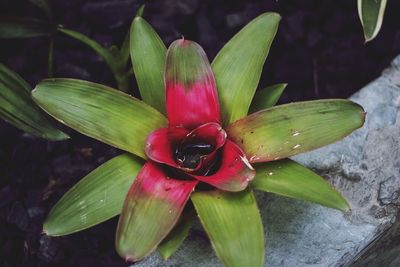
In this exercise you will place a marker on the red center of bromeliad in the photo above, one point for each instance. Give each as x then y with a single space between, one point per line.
190 155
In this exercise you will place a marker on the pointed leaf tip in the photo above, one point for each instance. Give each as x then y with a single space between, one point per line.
267 97
238 66
100 112
290 129
148 60
289 178
95 198
140 11
371 13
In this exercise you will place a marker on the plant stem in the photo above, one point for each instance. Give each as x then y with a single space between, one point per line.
115 59
122 80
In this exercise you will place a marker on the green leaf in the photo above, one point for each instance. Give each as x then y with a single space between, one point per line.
124 52
17 107
17 27
139 12
96 198
176 237
286 130
151 209
115 59
238 66
98 48
233 223
148 59
267 97
101 112
371 14
289 178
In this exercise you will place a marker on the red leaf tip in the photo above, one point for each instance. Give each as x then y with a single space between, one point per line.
183 42
129 258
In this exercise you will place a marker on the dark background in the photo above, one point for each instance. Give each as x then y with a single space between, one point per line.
319 50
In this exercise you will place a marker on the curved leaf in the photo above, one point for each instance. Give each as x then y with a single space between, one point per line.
98 197
100 112
17 27
148 59
98 48
124 52
116 59
371 14
238 66
286 130
151 209
233 223
17 107
140 10
267 97
291 179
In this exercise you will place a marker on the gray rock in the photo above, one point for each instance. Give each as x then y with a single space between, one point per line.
364 167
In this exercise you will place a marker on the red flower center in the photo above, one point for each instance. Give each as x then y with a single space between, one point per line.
194 144
193 151
190 155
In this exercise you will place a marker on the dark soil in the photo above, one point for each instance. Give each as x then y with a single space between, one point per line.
319 50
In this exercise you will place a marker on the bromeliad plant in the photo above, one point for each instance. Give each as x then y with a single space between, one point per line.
208 149
25 27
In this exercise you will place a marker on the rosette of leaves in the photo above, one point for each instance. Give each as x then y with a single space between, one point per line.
192 146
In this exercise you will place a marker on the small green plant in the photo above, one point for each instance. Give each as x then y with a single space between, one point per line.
23 27
12 27
17 107
205 157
